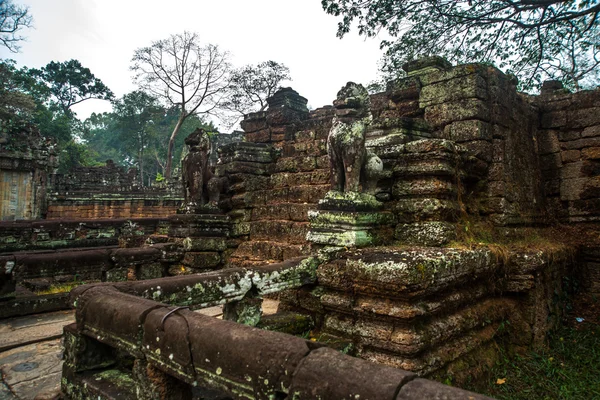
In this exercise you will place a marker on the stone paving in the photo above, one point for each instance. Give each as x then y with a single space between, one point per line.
31 355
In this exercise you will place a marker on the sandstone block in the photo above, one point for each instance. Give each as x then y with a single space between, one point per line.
254 121
591 153
548 142
582 118
201 260
271 212
554 119
467 109
425 209
463 87
261 136
429 233
425 389
403 89
567 136
462 131
304 136
348 377
591 131
572 170
570 156
480 148
431 187
581 143
296 164
550 162
223 346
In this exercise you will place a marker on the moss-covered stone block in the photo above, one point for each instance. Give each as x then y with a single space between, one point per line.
428 233
201 259
341 237
349 201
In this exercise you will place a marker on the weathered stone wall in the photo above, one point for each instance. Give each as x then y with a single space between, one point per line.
569 148
276 176
478 107
109 192
26 161
99 207
454 141
60 233
436 311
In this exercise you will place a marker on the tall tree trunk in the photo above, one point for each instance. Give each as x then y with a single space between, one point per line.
141 161
172 143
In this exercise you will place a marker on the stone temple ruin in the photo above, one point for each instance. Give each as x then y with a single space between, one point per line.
370 221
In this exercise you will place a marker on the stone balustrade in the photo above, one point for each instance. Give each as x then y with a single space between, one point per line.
125 345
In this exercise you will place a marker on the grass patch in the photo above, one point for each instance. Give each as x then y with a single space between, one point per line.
60 288
569 368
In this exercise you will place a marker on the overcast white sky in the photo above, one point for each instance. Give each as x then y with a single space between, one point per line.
103 34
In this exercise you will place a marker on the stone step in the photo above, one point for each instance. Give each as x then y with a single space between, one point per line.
21 331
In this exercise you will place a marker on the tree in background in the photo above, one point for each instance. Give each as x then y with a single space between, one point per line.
16 107
44 97
534 39
13 18
134 115
136 134
251 86
69 83
183 74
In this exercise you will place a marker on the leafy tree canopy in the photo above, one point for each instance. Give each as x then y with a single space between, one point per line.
13 18
16 107
533 39
68 83
136 134
251 85
42 98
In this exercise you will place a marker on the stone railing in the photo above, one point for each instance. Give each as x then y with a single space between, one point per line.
125 345
40 261
54 234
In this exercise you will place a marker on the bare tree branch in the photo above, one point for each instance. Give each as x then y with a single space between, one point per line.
182 73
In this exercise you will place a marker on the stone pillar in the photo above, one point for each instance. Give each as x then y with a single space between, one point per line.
350 215
203 238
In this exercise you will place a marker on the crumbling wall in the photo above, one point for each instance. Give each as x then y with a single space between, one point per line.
66 234
478 107
275 177
26 161
569 147
109 192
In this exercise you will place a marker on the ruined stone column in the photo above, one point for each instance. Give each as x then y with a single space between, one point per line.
349 212
199 224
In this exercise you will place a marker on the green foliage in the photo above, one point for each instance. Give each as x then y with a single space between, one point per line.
251 85
43 99
13 18
16 107
567 369
69 83
535 40
73 154
136 134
